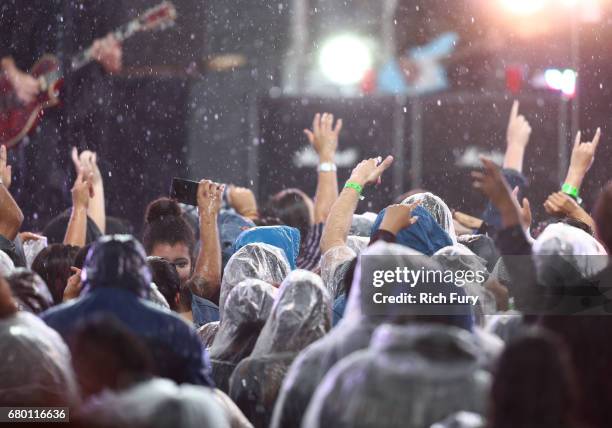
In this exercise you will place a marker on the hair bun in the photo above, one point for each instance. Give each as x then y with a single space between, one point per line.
161 208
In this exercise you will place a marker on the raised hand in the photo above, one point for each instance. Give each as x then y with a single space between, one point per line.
5 170
210 195
519 130
583 155
82 190
324 135
398 217
368 171
525 208
243 201
73 286
87 161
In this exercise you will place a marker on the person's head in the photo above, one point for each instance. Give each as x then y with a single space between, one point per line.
168 235
55 230
106 355
53 265
30 291
602 215
117 261
294 208
533 384
285 238
165 277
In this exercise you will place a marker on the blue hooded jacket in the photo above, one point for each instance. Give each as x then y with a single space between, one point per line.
284 237
116 281
426 236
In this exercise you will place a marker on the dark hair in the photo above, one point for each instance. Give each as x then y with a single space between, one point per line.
55 230
533 384
587 338
53 265
30 291
164 223
602 215
118 226
291 208
107 355
166 278
79 259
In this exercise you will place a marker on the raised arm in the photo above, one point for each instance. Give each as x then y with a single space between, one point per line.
11 216
583 155
88 162
324 139
517 138
206 278
340 216
82 191
560 204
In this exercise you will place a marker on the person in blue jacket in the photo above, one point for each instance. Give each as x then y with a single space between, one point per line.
116 280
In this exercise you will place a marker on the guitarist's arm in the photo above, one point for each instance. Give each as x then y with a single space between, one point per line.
11 216
26 87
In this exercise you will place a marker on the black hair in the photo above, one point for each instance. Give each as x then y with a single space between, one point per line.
166 278
164 223
55 230
53 265
106 355
533 384
118 226
291 208
79 259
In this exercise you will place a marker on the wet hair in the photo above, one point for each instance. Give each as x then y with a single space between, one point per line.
53 265
166 278
291 208
30 291
602 215
55 230
587 338
79 259
118 226
106 355
165 224
533 384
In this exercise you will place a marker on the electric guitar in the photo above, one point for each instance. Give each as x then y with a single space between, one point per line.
18 119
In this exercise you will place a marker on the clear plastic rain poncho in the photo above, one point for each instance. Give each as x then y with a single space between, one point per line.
361 225
208 332
358 243
245 312
334 265
462 420
257 261
351 334
300 316
7 266
157 403
30 291
438 209
35 364
564 255
409 377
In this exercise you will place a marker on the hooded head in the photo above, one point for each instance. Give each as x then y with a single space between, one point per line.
245 312
231 225
256 261
117 261
283 237
30 291
438 209
425 236
301 315
565 254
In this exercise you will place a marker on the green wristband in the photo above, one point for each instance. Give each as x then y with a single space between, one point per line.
355 186
570 190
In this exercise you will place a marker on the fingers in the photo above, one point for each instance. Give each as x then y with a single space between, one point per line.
596 138
3 157
338 127
514 111
316 123
384 164
526 207
488 164
577 139
309 135
515 192
75 157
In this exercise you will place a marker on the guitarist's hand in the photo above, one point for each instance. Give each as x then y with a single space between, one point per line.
26 87
107 51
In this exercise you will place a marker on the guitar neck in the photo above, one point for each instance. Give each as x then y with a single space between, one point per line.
122 33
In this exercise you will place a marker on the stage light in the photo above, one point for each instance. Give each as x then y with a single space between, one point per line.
524 7
345 59
564 81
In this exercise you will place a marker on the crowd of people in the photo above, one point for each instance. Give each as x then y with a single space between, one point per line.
251 313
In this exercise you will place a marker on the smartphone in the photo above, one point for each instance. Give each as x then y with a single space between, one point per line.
184 191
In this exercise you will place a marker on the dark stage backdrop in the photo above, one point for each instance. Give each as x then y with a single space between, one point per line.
436 140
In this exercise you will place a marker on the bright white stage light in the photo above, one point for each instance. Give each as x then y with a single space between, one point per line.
344 59
564 81
524 7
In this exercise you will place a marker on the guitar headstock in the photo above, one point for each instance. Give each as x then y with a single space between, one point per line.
159 17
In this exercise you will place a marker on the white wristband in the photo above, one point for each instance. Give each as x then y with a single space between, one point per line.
327 167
